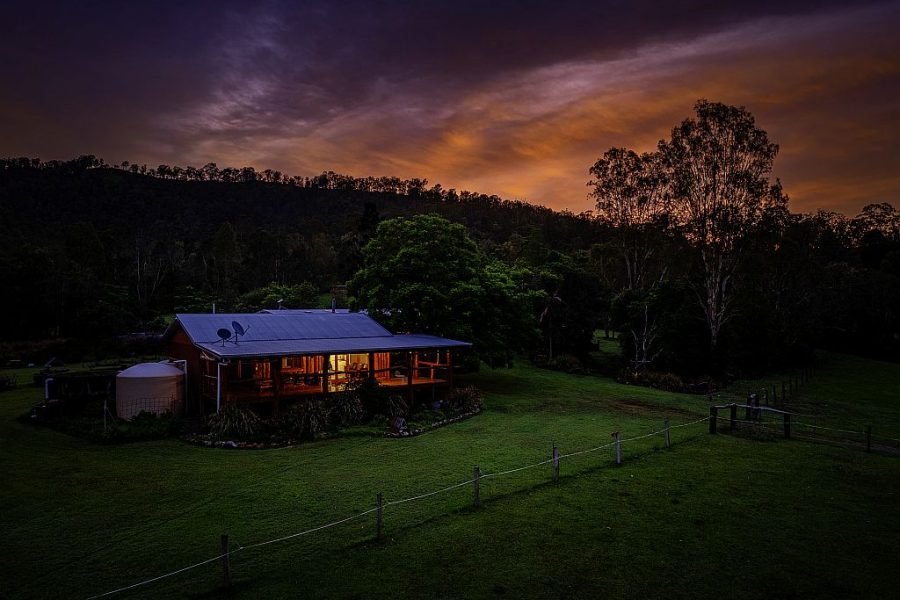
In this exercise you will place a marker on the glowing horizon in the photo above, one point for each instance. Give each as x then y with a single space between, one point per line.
518 105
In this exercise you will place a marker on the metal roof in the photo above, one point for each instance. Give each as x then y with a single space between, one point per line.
151 370
310 311
287 332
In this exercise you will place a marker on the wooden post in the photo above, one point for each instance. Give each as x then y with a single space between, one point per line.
449 369
277 385
555 464
476 476
226 561
371 365
326 358
555 456
409 377
733 416
713 415
379 499
615 434
748 410
868 438
787 426
666 428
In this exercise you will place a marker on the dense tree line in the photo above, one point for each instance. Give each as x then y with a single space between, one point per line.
91 250
691 254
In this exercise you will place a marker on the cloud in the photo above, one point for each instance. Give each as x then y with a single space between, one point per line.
503 97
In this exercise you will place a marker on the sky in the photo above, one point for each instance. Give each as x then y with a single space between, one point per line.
513 98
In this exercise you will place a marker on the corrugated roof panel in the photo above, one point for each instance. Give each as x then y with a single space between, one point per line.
246 348
299 325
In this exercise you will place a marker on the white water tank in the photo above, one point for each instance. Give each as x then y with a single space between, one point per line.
149 387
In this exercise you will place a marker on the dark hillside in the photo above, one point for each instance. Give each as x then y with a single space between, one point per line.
95 250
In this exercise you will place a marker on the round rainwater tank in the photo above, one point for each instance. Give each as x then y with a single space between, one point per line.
149 387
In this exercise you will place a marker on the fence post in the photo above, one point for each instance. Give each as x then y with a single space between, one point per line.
380 516
668 439
615 434
733 416
787 426
748 410
476 476
713 414
868 438
226 561
555 463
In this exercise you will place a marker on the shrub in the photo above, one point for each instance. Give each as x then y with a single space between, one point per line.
146 426
236 423
305 419
397 406
566 363
347 408
465 399
668 382
375 399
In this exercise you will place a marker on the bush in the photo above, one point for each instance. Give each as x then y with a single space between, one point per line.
566 363
145 426
397 406
305 419
465 399
668 382
235 423
347 408
375 399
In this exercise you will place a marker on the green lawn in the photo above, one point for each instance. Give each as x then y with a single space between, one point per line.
713 516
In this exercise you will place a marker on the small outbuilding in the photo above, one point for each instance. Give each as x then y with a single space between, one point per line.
149 387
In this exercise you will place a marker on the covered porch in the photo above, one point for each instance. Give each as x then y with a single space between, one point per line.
283 379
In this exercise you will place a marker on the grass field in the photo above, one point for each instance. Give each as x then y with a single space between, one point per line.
714 516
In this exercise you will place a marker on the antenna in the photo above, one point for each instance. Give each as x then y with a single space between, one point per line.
239 330
224 334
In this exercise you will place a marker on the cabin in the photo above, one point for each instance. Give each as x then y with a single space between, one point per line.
279 356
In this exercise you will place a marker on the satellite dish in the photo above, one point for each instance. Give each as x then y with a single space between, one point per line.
224 334
239 330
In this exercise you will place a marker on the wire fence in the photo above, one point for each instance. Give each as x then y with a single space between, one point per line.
128 408
228 552
756 418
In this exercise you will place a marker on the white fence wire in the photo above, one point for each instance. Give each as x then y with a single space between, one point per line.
385 505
